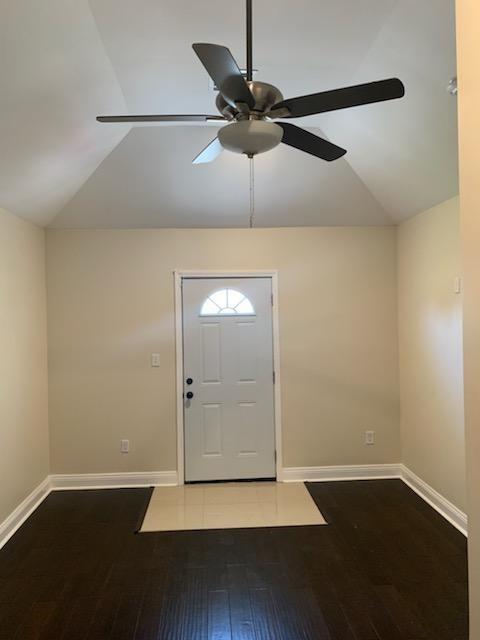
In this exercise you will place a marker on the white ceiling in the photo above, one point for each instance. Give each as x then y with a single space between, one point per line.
69 60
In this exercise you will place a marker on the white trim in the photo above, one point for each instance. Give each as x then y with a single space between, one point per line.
332 473
244 273
277 387
18 516
179 375
112 480
58 482
444 507
178 275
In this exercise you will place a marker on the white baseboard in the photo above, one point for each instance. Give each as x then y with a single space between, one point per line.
444 507
331 473
18 516
58 482
112 480
378 471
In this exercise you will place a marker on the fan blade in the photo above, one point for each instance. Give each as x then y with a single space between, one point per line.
161 118
224 71
341 98
210 153
310 143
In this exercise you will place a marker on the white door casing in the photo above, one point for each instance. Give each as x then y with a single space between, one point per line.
228 360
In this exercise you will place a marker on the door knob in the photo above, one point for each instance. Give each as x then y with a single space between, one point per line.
189 380
189 395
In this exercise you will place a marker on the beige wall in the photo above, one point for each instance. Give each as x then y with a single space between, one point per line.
110 300
468 21
23 362
430 347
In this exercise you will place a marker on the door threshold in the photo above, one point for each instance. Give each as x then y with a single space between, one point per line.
230 480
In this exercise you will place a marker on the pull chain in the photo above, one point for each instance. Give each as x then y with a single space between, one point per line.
252 193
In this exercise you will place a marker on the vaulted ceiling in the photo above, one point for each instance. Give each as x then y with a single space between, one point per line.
65 61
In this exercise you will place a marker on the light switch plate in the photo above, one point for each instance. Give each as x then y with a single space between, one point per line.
155 359
457 284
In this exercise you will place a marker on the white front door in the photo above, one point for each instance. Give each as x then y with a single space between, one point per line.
228 378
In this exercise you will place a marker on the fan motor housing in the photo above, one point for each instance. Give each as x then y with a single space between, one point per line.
265 95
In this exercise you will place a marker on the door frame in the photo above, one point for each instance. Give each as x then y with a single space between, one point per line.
179 275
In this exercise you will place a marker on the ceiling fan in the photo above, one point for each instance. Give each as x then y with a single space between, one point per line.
249 107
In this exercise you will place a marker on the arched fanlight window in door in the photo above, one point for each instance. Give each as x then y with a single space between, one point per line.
227 302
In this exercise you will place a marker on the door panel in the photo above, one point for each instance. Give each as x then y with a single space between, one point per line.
212 430
211 353
247 361
228 352
246 435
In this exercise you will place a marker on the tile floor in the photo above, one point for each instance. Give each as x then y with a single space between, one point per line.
232 505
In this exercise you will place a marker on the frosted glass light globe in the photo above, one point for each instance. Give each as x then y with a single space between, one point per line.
250 136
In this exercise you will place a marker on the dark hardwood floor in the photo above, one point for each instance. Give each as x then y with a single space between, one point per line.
386 567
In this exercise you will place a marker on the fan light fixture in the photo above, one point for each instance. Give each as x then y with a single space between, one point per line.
248 106
250 136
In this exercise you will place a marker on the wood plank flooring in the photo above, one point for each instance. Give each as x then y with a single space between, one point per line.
387 567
